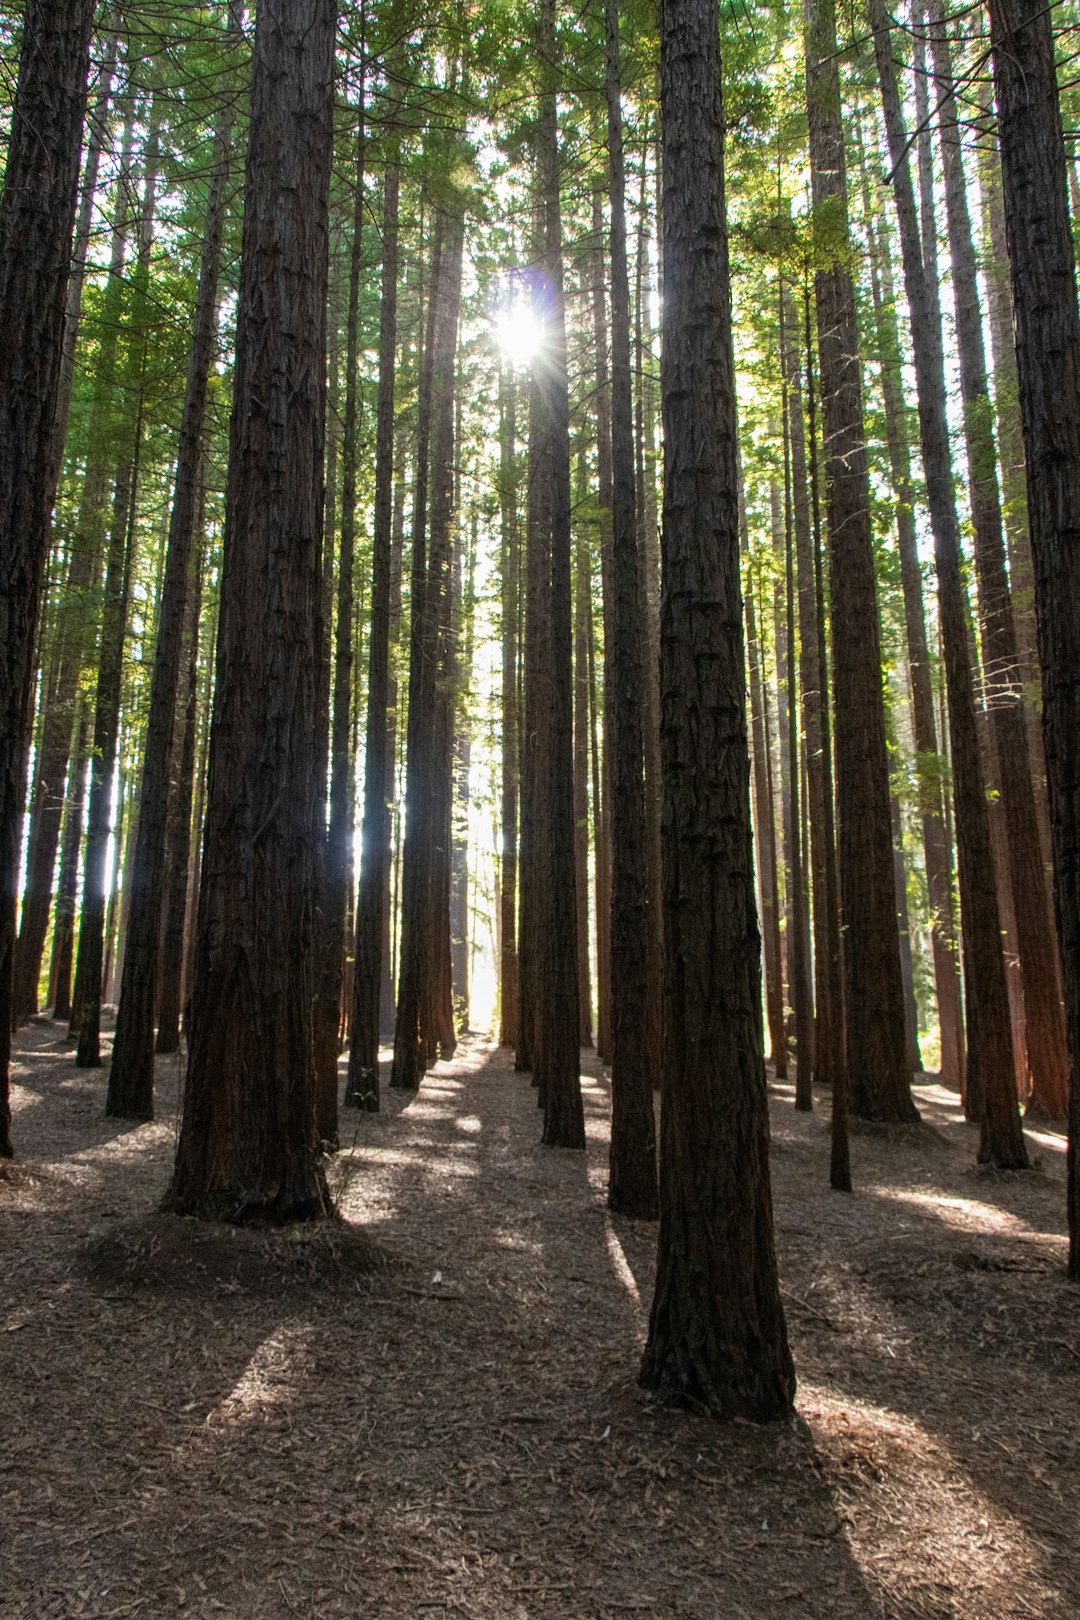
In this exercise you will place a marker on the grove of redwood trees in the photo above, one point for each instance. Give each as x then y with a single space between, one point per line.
486 558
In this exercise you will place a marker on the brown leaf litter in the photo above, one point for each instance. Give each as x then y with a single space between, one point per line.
430 1408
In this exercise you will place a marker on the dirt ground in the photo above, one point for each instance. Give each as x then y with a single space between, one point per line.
461 1432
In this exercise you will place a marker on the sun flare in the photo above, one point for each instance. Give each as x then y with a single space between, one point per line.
518 331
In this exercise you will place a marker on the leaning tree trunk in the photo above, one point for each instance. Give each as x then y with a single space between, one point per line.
1048 365
874 1013
717 1336
37 214
131 1077
248 1145
632 1188
1001 1140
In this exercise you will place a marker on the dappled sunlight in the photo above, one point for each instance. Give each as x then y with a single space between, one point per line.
270 1380
619 1262
916 1480
960 1213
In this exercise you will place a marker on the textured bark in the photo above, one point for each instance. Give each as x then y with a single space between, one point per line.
1001 1138
1044 1020
59 690
581 772
939 881
632 1184
337 866
602 801
131 1076
818 795
557 1001
462 763
839 1147
248 1145
60 967
37 214
717 1337
414 1039
799 924
765 826
1048 367
362 1086
874 1010
178 832
510 571
92 960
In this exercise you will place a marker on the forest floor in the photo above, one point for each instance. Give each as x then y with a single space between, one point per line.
226 1430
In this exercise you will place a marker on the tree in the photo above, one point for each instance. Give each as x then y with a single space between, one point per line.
37 216
874 997
717 1336
248 1147
1048 367
632 1185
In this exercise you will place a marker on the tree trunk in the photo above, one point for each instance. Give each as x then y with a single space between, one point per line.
1001 1139
632 1185
557 1003
766 845
362 1087
510 572
37 214
581 773
874 1012
1048 367
178 833
1044 1021
248 1144
927 757
131 1077
602 843
717 1337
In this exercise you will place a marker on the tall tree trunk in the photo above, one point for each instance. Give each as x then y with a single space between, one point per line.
935 845
874 1012
632 1185
510 572
59 690
37 214
1048 367
362 1087
93 925
68 879
557 1004
178 832
1044 1021
766 845
602 851
337 869
462 765
131 1077
717 1336
414 1038
248 1144
1001 1139
581 771
826 1044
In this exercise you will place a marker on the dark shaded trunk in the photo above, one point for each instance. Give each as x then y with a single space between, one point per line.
1048 368
510 572
1044 1021
131 1076
248 1144
37 215
1001 1138
362 1086
178 832
817 799
581 773
425 806
874 998
717 1337
602 801
927 758
766 847
462 763
557 1002
63 951
632 1186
